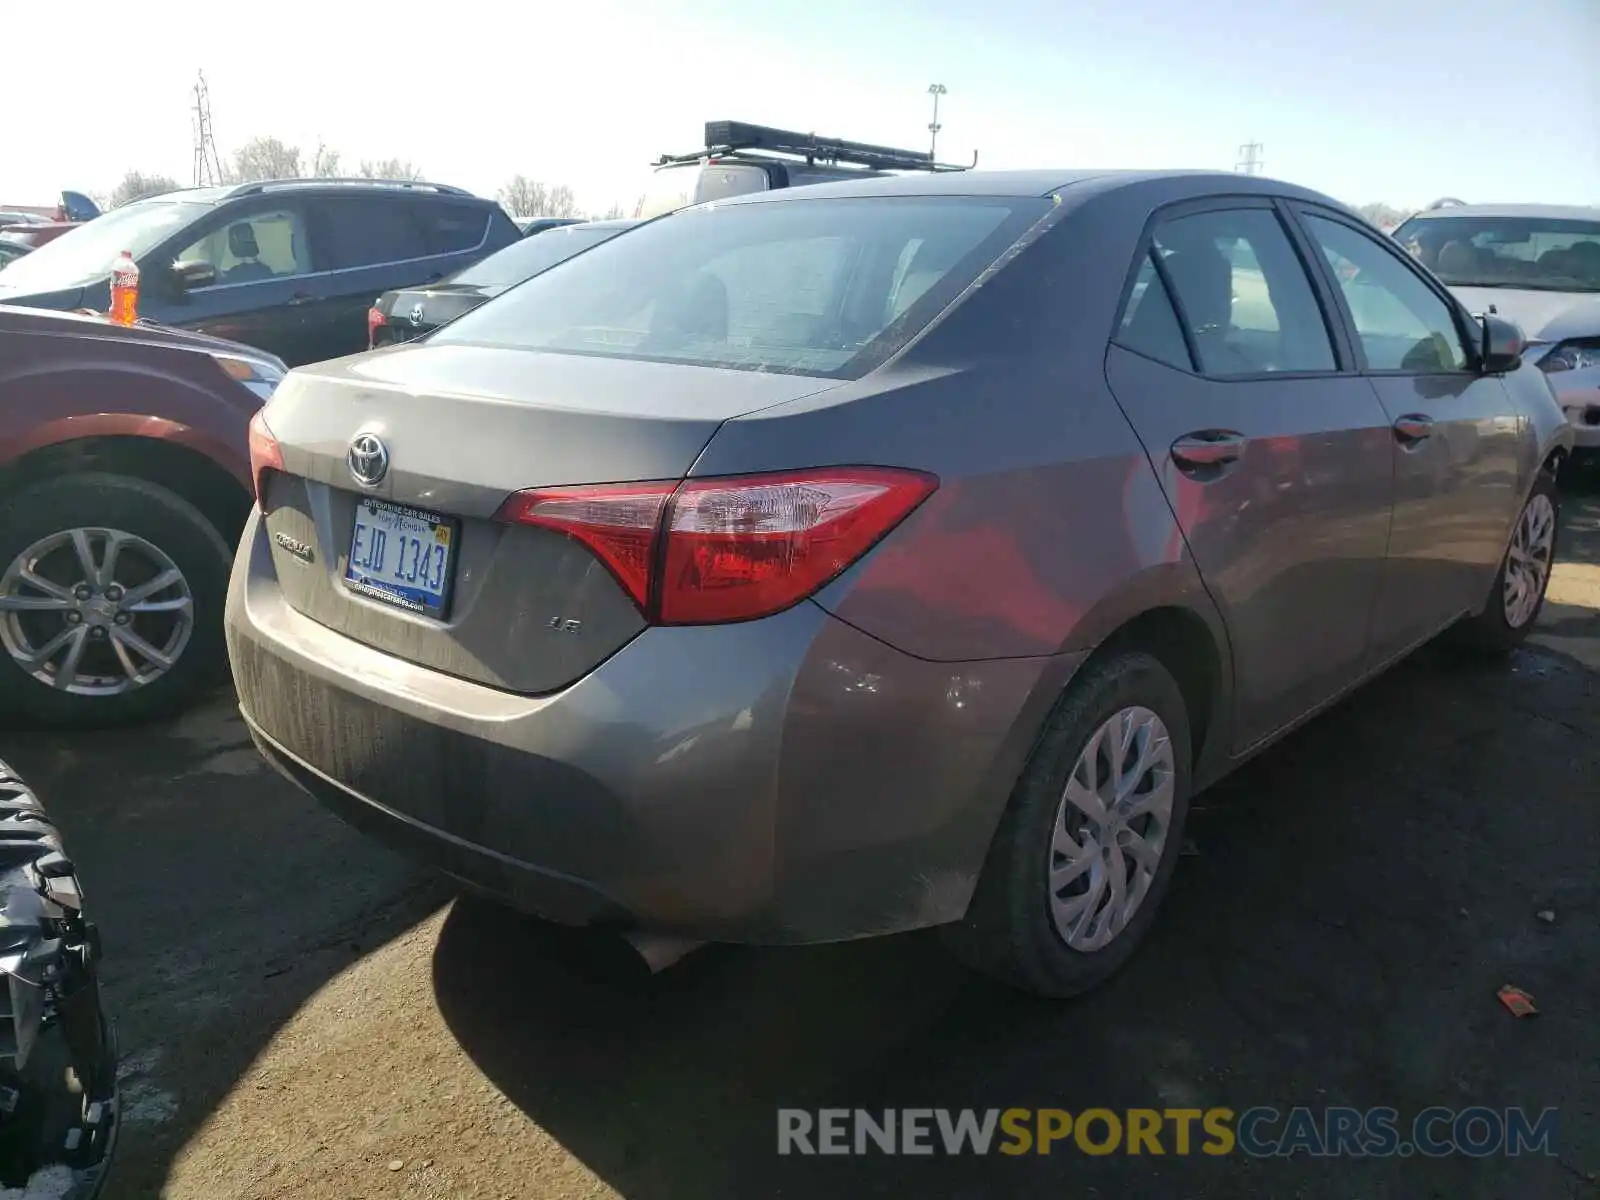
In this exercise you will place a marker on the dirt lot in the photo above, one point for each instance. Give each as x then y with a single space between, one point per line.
303 1015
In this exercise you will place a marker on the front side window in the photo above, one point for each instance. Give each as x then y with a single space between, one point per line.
1401 323
254 247
1240 286
812 287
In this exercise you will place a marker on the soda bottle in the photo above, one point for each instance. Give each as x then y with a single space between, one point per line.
124 290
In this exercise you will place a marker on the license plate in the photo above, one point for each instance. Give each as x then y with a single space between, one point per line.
401 556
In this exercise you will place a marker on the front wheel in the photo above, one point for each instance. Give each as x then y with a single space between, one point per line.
1089 841
111 595
1524 576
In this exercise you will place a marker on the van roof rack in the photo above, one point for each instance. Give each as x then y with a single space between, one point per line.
272 185
728 137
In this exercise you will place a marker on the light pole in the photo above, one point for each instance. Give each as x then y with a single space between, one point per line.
935 90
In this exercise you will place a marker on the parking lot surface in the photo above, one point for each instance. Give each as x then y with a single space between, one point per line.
304 1015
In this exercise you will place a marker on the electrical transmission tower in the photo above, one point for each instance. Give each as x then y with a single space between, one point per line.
935 90
1249 159
207 166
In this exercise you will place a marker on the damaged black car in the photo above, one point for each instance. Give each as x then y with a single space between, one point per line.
58 1115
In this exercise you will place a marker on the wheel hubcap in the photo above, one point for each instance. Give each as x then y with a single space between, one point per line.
1528 560
1111 828
95 612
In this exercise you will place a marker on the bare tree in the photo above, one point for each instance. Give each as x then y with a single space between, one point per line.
136 185
265 158
325 163
614 213
390 168
524 197
562 203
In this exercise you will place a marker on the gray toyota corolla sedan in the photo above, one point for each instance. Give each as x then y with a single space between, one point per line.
842 560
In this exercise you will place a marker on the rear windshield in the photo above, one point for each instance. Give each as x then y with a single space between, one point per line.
1541 253
526 258
807 287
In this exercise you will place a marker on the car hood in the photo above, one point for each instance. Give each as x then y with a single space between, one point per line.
1544 316
14 319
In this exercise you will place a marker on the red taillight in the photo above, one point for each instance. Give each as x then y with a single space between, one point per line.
619 523
265 453
375 321
713 550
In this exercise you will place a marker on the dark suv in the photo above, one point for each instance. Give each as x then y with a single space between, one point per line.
739 158
288 266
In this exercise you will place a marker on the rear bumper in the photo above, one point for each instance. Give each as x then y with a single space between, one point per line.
784 780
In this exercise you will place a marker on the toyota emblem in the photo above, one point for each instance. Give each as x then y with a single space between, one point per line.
368 459
416 314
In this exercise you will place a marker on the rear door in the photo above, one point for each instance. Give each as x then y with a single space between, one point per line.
1273 453
264 278
1458 443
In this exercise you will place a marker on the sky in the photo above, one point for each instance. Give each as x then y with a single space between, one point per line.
1401 101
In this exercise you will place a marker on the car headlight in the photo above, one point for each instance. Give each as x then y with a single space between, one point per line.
260 376
1577 355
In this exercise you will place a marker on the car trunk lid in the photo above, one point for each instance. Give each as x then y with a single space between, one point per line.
462 427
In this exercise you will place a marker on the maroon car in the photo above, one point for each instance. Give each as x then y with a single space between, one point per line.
124 483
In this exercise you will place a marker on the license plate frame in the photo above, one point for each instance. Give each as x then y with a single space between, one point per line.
399 524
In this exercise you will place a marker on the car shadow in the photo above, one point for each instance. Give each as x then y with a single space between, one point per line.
225 900
1336 936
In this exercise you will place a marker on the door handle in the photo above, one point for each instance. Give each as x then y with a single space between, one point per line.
1413 428
1212 448
300 298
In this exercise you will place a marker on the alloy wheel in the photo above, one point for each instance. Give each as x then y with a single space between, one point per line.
95 612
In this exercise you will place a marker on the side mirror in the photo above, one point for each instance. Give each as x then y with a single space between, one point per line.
193 274
1502 346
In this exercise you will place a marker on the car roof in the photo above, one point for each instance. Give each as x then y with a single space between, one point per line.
1559 212
1033 183
609 223
341 187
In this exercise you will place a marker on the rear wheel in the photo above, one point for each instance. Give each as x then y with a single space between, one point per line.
1088 844
1524 575
111 594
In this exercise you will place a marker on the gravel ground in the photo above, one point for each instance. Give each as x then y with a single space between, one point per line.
304 1015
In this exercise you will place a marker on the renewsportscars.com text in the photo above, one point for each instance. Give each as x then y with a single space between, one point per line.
1260 1132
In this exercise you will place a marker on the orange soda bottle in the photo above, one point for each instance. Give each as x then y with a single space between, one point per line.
124 290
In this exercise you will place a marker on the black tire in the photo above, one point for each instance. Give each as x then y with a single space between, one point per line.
1008 931
1490 633
166 521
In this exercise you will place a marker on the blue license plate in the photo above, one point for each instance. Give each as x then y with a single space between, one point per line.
401 556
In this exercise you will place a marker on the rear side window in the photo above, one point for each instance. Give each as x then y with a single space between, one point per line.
1243 293
364 232
1150 326
811 287
451 228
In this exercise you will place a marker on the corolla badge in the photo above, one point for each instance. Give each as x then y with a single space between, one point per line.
416 314
368 459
